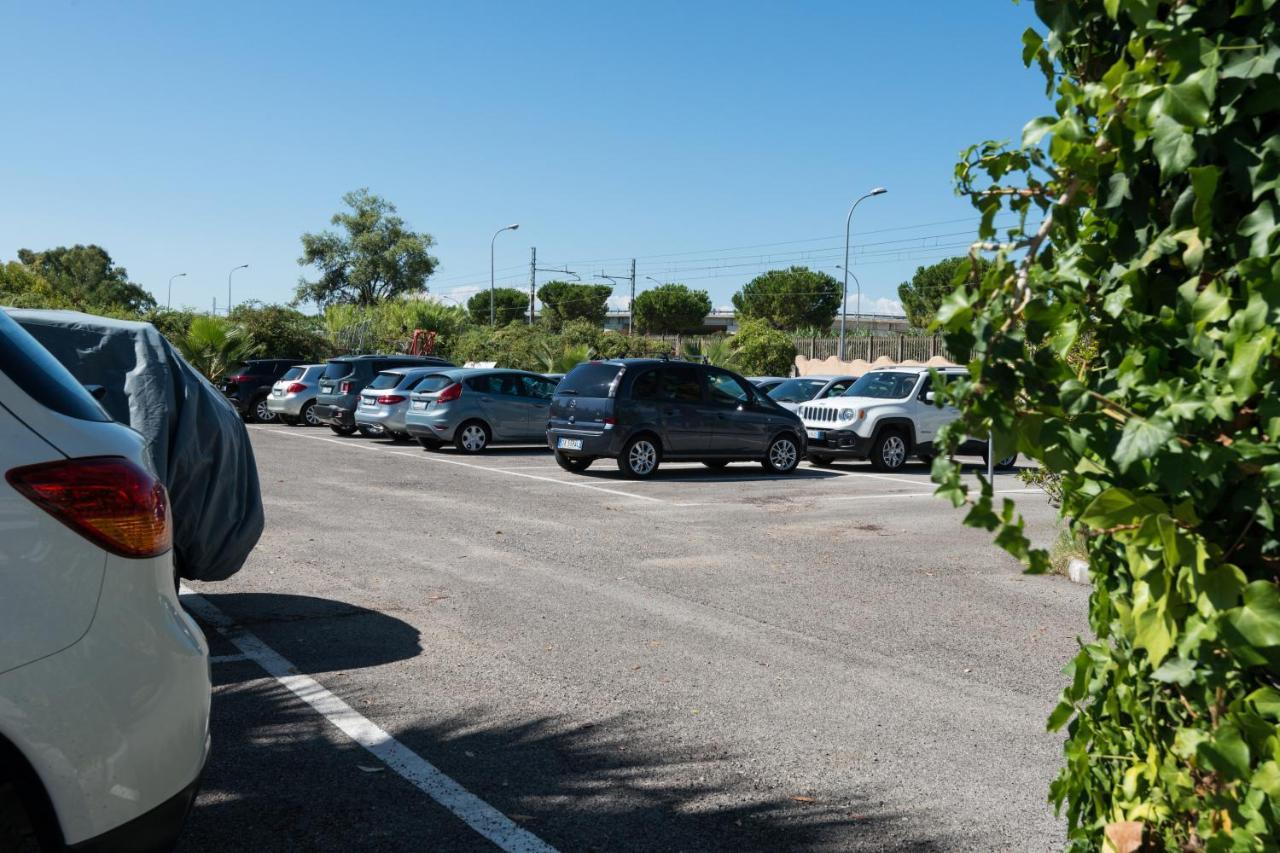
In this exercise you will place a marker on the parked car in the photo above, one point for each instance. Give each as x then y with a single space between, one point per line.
642 411
385 401
249 385
104 680
293 397
887 416
344 378
477 407
791 393
765 384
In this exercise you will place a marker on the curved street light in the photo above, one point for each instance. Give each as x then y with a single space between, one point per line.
229 274
844 302
492 318
168 302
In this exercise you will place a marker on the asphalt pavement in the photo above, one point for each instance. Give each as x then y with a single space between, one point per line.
436 652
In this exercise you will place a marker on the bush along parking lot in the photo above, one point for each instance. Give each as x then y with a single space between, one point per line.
1153 191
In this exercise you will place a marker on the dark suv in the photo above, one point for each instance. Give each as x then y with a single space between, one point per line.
344 378
249 384
641 411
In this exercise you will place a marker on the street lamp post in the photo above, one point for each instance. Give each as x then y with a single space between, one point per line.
492 315
229 274
844 302
168 303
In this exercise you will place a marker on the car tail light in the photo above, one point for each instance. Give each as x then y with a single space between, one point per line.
106 499
344 387
390 399
295 388
450 394
610 421
239 377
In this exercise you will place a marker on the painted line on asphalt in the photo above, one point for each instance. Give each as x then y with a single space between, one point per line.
421 457
883 496
227 658
422 774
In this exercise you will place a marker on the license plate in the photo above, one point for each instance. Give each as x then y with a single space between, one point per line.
277 392
419 404
569 444
816 434
326 389
367 401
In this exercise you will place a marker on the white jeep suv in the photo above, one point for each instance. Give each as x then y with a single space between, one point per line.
887 416
104 681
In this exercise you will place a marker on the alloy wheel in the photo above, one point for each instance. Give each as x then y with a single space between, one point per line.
262 413
893 452
783 455
642 458
309 416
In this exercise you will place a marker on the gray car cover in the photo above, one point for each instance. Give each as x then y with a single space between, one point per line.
197 441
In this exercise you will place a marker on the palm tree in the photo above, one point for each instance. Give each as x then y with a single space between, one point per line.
567 359
717 352
213 346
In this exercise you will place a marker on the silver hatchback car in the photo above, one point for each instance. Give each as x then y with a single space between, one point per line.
474 408
384 402
293 396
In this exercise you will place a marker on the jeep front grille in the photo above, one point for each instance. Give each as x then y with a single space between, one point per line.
818 414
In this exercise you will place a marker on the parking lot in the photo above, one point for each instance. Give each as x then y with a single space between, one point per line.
436 652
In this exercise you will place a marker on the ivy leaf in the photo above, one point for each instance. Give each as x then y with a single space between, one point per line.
1172 146
1204 180
1060 715
1258 619
1112 508
1187 102
1141 438
1266 701
1267 779
1226 752
1031 44
1259 225
1178 671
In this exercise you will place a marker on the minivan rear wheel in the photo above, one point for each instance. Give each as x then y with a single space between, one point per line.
574 463
640 457
782 457
471 437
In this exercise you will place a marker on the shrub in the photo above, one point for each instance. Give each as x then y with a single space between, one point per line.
763 350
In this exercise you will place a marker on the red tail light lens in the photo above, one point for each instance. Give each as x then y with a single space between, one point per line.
390 399
295 388
239 377
344 388
450 394
610 421
106 499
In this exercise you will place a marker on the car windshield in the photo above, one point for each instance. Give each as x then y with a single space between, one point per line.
797 390
883 386
292 373
338 369
385 380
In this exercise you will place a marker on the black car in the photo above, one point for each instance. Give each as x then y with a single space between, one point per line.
345 377
249 384
642 411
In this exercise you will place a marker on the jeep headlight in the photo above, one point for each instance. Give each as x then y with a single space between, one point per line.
847 414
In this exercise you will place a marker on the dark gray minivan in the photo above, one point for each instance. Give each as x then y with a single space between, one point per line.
345 377
642 411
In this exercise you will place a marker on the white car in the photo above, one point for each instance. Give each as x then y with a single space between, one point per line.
791 393
887 416
104 681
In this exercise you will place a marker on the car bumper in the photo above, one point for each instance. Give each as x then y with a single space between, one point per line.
334 415
388 421
595 444
837 442
157 830
289 405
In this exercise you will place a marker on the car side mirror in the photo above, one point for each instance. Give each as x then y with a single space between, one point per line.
929 396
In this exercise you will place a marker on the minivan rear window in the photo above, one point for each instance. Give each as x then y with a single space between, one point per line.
385 380
41 376
589 380
292 373
338 369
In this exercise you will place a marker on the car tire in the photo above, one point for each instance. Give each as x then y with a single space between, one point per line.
640 457
342 430
259 412
716 464
1005 464
16 831
575 464
308 416
821 460
428 443
889 452
368 433
783 455
472 437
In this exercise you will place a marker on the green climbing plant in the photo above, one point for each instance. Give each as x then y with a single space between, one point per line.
1149 202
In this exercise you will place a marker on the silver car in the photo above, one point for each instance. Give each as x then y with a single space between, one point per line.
474 408
384 402
293 396
765 384
791 393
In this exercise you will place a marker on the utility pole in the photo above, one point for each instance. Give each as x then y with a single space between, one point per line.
631 306
533 278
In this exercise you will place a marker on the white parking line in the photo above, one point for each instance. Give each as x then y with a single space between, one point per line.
422 774
422 457
883 496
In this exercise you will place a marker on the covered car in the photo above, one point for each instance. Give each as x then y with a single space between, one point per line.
195 438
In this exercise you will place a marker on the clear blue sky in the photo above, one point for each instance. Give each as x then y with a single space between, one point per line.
195 137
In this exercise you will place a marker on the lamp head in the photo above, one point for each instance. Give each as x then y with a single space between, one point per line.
878 191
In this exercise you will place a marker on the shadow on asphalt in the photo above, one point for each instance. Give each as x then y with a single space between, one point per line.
281 778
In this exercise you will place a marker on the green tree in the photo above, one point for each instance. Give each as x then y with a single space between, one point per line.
282 331
790 299
922 296
563 301
1148 202
510 305
763 350
213 346
23 287
373 257
86 277
671 309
